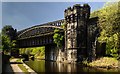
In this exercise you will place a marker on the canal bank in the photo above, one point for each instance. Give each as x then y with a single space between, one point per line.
104 63
28 68
50 66
16 65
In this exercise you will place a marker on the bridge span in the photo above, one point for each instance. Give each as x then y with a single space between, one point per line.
80 34
39 35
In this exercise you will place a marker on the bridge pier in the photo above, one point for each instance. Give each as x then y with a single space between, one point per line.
76 30
51 52
72 55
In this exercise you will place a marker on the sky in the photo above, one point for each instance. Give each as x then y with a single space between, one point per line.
23 15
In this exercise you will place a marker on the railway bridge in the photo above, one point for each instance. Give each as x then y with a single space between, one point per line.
80 34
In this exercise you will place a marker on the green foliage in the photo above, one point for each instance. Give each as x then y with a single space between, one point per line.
103 37
7 43
112 45
109 23
58 37
104 62
63 25
5 28
36 51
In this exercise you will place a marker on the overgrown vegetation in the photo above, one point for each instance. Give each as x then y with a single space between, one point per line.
38 52
8 42
105 62
109 23
58 37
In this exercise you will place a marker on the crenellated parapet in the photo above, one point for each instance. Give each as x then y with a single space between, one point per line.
78 11
76 24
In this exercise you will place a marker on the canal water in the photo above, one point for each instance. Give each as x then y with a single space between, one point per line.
48 66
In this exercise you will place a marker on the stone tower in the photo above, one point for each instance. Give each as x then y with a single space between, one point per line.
76 30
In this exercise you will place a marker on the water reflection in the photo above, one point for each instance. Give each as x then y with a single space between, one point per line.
38 66
59 67
47 66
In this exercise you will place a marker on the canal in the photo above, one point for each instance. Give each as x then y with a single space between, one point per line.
48 66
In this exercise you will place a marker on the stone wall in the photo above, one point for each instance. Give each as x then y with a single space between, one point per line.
76 30
51 52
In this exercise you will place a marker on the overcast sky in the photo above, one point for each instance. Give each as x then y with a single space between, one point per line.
22 15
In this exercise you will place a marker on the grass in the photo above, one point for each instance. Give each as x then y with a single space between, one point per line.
11 58
105 62
40 57
22 67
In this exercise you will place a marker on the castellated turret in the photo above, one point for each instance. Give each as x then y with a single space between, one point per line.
76 29
77 11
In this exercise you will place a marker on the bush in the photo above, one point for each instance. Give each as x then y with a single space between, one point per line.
36 51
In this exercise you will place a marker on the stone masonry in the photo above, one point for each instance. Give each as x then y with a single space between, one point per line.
76 30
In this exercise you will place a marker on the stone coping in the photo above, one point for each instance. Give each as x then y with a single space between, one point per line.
28 68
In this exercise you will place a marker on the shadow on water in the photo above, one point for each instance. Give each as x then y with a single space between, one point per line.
48 66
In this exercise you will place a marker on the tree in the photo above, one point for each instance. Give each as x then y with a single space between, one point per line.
5 29
58 36
109 23
8 43
9 31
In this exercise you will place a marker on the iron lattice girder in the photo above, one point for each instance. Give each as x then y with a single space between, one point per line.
40 30
36 41
54 23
